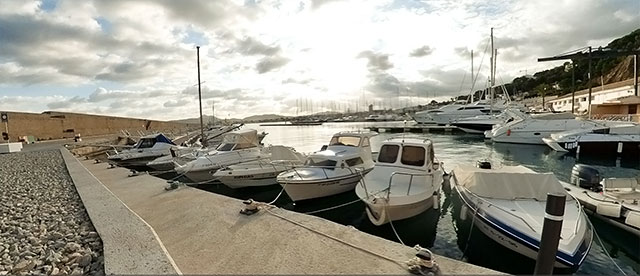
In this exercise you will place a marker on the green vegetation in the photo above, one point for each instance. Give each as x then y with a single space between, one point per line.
557 80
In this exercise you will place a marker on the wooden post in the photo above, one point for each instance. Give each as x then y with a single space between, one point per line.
551 229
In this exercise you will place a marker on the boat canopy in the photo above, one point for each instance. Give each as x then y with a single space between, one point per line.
240 139
150 140
285 153
510 183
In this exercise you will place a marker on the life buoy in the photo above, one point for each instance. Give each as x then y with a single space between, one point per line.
508 132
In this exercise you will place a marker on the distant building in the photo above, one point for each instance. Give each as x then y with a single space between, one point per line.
599 95
371 108
535 103
621 109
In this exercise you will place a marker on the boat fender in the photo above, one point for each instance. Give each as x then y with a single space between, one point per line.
633 219
423 263
609 209
250 209
463 213
436 201
508 132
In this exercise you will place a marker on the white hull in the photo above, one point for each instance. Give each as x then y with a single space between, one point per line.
303 190
380 212
202 176
523 137
251 180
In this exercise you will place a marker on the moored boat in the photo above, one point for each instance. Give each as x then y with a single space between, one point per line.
333 170
508 206
405 181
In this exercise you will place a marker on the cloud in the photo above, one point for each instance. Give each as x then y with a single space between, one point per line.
250 46
376 61
270 63
176 103
421 52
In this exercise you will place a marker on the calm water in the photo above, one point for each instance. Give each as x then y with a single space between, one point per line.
441 230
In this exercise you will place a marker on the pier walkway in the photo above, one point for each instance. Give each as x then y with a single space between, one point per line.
198 232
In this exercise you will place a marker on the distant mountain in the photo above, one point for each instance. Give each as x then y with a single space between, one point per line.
264 117
255 118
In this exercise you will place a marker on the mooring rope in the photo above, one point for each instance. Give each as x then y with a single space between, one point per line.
604 248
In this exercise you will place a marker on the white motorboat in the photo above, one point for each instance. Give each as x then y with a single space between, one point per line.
333 170
613 200
181 156
530 129
469 110
481 123
426 116
405 181
236 147
507 204
619 140
261 172
146 149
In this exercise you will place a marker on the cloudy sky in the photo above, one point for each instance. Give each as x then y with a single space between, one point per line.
138 58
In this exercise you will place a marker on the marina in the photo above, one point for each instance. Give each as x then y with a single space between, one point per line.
319 137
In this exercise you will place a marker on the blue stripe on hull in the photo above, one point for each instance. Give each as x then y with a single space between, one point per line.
572 261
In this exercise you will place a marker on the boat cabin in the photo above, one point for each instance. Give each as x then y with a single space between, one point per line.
150 140
411 152
237 140
346 149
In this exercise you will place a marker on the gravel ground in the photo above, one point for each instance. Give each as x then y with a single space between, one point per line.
44 228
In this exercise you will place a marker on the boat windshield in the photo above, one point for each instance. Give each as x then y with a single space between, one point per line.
345 141
145 143
388 153
325 163
413 156
225 147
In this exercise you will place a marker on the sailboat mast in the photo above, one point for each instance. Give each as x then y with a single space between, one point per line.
472 77
492 80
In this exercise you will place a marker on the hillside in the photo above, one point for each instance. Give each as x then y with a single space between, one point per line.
557 81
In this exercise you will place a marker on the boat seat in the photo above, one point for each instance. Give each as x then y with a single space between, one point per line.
625 189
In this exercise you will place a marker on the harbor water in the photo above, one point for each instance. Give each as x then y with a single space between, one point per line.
442 230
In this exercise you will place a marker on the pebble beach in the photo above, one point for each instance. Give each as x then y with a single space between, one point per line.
44 227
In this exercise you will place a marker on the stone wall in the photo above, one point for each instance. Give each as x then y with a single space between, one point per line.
57 125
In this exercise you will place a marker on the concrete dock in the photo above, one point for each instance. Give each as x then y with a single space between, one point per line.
191 231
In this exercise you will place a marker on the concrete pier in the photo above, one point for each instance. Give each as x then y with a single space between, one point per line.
415 129
192 231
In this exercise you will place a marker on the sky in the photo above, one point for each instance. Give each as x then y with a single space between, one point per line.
138 58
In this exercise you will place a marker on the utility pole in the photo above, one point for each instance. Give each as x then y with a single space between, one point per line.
589 80
200 98
635 75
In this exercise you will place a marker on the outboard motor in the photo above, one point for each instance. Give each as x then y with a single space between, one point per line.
483 164
586 177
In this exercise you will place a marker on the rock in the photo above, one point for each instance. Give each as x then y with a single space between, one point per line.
85 260
55 236
24 265
77 271
72 247
91 234
55 271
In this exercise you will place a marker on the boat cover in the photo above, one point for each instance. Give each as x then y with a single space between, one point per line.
508 182
163 139
243 138
285 153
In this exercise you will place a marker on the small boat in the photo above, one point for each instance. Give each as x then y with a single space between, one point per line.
405 181
614 200
236 147
617 140
146 149
335 169
261 172
182 155
530 129
507 205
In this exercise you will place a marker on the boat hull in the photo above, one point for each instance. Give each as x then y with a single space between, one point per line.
299 190
380 212
249 180
200 176
515 241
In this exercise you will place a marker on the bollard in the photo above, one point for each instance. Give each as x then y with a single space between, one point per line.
551 228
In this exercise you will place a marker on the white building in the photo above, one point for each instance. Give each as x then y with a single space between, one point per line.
599 95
